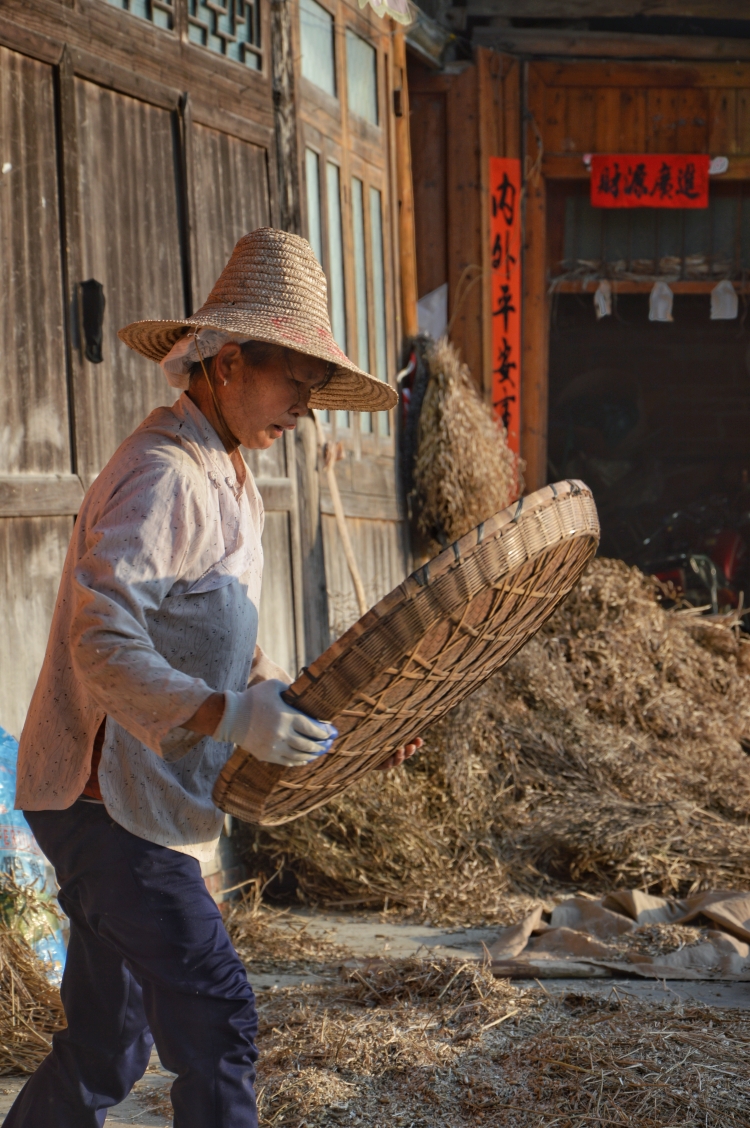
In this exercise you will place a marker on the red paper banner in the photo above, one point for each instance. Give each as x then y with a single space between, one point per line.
649 180
505 252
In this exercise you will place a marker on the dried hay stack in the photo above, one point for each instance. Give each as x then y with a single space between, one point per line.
609 752
464 471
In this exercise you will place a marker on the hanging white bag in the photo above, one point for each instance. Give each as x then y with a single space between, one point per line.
660 302
724 303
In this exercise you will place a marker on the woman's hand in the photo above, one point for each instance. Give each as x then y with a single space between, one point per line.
398 757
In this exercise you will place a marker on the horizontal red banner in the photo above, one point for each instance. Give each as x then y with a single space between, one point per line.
649 180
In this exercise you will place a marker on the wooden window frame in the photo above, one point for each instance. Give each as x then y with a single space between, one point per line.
364 150
179 31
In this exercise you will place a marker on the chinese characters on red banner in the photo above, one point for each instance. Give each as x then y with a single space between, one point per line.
505 248
649 180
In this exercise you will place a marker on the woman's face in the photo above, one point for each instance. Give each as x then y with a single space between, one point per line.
260 402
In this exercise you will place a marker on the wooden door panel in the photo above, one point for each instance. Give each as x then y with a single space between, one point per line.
130 234
32 551
230 198
380 554
34 405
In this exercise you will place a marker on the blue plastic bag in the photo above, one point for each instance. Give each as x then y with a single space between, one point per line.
24 864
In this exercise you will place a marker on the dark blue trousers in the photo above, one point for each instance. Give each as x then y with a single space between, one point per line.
149 960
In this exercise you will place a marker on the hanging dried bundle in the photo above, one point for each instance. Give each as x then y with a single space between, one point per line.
464 470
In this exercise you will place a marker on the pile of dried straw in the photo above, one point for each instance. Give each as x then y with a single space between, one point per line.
464 470
30 1007
609 753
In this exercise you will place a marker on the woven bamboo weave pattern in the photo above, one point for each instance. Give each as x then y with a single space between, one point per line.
423 648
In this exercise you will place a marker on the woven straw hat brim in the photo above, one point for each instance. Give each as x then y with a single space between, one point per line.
349 389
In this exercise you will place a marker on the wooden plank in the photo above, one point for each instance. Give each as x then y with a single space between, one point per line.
554 124
662 109
581 119
277 493
655 74
406 218
45 48
743 121
429 169
465 220
245 129
601 44
534 372
632 131
40 495
131 243
607 120
93 67
32 554
512 107
491 144
362 505
722 122
285 118
230 191
34 418
692 121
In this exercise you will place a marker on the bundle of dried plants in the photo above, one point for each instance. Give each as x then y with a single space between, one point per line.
464 470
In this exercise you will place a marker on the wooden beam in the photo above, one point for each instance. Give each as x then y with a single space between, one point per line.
656 74
28 42
627 286
40 495
534 371
607 44
588 9
564 166
285 118
407 238
489 77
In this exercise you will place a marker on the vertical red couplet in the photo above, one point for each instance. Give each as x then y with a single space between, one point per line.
505 257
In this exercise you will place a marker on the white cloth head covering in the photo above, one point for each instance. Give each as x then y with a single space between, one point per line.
183 355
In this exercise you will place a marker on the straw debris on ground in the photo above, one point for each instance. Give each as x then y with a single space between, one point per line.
454 1047
609 753
30 1007
422 1042
464 470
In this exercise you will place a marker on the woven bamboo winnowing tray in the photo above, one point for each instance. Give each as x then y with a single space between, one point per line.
423 648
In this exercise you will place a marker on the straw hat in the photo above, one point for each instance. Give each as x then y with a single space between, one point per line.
273 289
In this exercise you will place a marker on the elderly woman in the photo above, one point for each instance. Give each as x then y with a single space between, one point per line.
152 674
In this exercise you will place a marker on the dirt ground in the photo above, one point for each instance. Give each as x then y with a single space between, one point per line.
478 1073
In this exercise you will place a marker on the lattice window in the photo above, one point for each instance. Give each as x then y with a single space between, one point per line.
159 12
231 28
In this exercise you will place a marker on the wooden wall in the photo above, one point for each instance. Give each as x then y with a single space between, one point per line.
134 157
459 119
131 155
